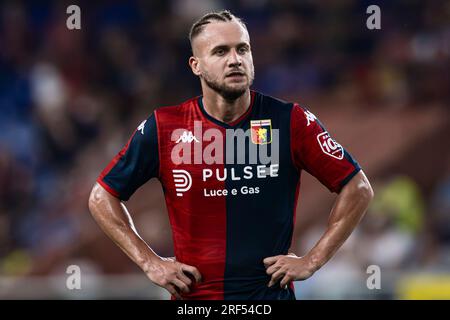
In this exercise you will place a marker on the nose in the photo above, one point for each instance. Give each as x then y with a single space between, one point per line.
235 59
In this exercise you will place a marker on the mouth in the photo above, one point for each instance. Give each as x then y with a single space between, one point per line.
235 74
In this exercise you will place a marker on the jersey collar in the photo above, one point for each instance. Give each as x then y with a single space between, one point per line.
232 124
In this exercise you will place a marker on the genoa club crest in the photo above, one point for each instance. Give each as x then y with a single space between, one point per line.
261 131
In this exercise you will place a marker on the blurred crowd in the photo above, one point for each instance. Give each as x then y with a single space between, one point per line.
69 99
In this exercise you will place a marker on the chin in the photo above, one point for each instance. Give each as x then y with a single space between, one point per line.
234 93
238 87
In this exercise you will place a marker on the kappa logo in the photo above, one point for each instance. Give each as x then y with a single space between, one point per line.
187 136
183 181
310 117
141 127
329 146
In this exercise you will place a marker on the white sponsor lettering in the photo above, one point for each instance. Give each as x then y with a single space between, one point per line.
262 172
183 181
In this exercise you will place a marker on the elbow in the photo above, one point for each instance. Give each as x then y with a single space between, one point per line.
95 199
359 189
365 191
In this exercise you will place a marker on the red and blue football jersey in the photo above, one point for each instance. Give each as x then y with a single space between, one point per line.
231 189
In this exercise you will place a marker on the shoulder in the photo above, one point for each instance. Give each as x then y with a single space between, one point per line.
175 110
294 110
273 102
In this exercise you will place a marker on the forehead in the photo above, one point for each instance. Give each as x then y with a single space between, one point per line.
220 33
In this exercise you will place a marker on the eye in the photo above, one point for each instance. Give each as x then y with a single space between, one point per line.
242 50
219 52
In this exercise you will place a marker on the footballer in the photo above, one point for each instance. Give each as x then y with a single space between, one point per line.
229 162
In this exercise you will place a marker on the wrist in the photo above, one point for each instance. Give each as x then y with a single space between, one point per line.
314 262
149 263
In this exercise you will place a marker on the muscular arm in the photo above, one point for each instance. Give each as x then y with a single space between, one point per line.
113 218
349 207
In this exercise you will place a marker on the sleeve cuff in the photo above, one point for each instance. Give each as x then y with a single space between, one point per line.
347 179
108 188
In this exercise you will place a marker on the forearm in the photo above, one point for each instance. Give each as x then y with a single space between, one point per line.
113 218
349 208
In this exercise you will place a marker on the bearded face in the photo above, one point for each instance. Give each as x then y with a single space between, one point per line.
223 59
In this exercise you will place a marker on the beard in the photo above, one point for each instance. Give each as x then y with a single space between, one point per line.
227 92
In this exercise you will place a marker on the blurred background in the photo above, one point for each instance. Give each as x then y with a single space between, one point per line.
70 99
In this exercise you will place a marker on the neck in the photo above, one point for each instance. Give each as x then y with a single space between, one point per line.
223 110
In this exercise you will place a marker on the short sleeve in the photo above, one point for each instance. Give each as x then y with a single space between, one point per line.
135 164
315 151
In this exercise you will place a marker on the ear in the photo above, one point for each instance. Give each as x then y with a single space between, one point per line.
194 64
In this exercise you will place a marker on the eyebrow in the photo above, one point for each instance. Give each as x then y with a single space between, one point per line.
225 47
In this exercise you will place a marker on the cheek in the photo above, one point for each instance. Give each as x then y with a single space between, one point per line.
214 68
249 62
